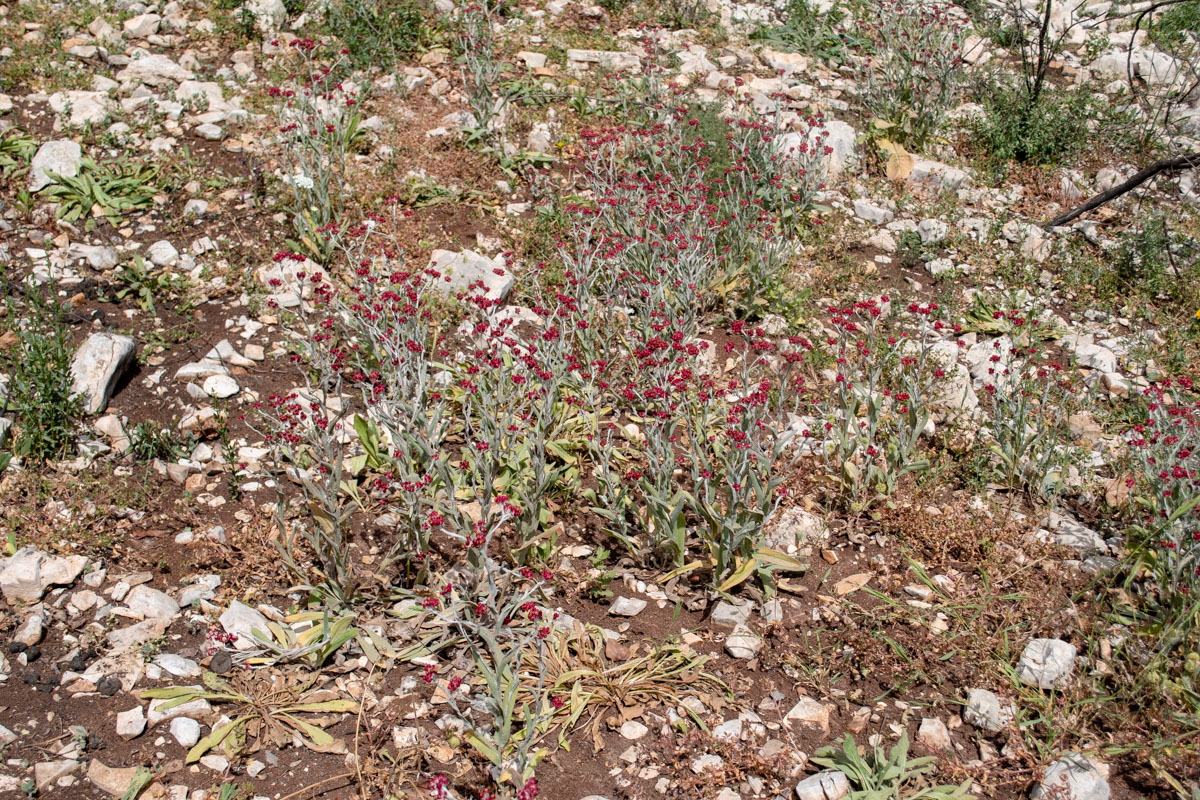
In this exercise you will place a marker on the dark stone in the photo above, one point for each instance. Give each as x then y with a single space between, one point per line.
221 663
32 654
78 662
16 647
31 677
108 686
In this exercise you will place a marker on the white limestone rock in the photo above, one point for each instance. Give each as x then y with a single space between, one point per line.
61 157
98 365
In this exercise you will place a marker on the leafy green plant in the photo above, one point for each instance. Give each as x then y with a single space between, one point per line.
315 156
241 24
1031 401
378 32
142 778
527 91
143 283
150 440
1179 22
420 192
1165 451
230 791
1156 262
16 150
481 68
804 29
281 643
265 712
1053 130
102 191
872 420
891 776
910 251
736 509
495 612
513 164
597 587
992 317
40 390
912 69
677 14
149 650
615 7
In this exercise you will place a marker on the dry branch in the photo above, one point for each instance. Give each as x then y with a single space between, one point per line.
1175 164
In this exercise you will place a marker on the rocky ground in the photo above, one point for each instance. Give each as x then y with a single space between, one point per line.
1012 633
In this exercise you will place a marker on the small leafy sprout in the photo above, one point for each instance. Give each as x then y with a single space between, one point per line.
143 283
79 736
16 151
890 776
229 791
150 440
598 589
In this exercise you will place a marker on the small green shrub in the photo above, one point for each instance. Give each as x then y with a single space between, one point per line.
242 23
615 7
1050 132
910 250
1176 25
16 150
678 14
804 29
40 389
150 440
142 283
1156 262
377 32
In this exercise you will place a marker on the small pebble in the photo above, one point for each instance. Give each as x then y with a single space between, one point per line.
221 663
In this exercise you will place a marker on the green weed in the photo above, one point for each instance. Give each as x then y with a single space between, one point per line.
102 191
40 389
150 440
1177 24
879 776
16 150
378 32
1052 131
806 30
143 283
1158 262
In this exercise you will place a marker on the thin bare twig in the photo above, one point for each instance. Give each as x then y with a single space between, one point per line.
299 792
